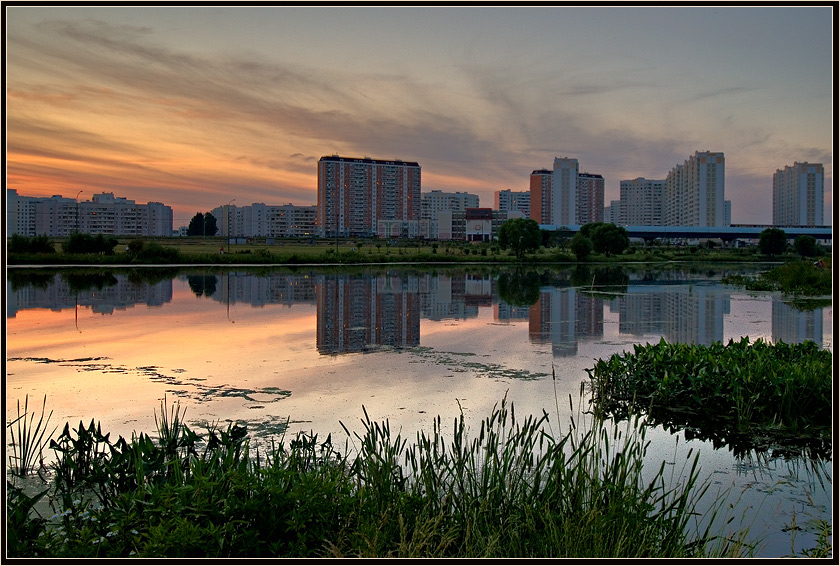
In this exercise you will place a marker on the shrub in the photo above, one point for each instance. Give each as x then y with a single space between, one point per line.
78 243
30 245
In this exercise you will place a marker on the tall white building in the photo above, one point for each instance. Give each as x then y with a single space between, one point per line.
798 194
507 200
563 201
641 202
694 191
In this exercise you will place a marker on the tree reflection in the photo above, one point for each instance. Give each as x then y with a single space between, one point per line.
519 288
202 284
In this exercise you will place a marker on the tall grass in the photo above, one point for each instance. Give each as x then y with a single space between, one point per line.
513 490
28 438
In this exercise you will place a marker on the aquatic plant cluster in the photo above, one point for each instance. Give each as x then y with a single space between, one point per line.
514 490
747 395
792 278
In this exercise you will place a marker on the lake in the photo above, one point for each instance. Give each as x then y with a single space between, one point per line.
306 349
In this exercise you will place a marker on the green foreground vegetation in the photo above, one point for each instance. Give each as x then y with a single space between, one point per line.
516 489
744 395
513 491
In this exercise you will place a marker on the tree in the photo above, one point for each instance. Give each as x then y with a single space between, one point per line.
581 246
196 226
210 226
202 225
806 246
519 288
772 241
522 235
607 238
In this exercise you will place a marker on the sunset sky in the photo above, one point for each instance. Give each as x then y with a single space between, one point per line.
193 106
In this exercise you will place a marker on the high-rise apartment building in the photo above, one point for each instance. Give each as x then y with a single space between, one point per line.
564 192
368 197
566 197
694 191
507 200
540 189
798 194
589 198
641 202
57 216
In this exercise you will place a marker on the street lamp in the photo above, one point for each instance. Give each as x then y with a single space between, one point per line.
77 210
228 219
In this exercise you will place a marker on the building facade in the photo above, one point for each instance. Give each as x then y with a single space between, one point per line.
694 191
563 200
589 200
260 220
798 195
507 200
57 216
368 197
641 202
435 201
540 189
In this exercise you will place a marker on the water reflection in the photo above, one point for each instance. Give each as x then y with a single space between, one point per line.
356 312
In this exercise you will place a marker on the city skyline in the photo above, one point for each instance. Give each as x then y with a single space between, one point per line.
195 105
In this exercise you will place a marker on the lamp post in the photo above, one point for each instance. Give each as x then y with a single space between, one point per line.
77 210
228 218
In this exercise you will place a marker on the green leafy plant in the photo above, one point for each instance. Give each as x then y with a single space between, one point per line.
742 394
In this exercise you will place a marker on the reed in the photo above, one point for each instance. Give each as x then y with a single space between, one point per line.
28 438
515 489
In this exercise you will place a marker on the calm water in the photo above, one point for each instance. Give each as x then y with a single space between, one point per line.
312 348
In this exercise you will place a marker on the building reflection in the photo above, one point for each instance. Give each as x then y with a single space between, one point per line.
794 326
358 312
103 293
563 316
689 314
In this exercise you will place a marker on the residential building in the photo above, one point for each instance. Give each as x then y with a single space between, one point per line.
260 220
368 197
433 202
589 199
57 216
694 191
641 202
563 199
565 196
611 212
798 195
540 190
507 200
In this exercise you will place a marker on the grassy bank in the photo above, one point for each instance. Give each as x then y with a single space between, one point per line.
155 251
514 490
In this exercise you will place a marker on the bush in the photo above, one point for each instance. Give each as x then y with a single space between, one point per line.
807 246
79 243
772 241
34 245
581 246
